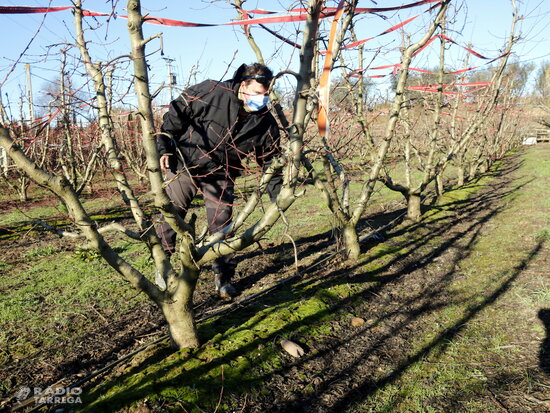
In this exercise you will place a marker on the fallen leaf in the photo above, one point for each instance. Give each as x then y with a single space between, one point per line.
292 348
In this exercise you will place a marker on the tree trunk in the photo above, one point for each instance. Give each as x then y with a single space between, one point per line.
181 324
460 175
472 171
351 241
177 307
439 185
413 207
23 189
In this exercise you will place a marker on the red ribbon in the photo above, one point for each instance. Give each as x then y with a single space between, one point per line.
28 9
391 29
300 16
358 10
448 114
470 84
170 22
463 70
442 36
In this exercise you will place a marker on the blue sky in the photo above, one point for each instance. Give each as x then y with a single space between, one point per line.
216 51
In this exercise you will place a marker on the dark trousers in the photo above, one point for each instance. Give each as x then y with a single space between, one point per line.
218 198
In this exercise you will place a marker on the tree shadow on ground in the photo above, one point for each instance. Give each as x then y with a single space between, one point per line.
397 304
305 247
327 242
409 314
438 343
544 353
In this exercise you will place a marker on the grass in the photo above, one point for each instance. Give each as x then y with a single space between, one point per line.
4 265
449 374
55 299
52 296
43 204
243 349
191 377
450 363
463 368
541 293
305 311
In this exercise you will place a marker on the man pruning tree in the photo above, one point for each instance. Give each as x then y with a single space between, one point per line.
205 136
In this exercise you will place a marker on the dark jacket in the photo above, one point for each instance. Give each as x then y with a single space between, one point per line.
208 132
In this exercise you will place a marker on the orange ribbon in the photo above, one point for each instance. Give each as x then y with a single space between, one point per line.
324 83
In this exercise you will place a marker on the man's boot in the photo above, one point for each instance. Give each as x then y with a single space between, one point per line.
224 270
224 288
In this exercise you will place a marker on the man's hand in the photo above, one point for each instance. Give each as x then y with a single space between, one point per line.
165 163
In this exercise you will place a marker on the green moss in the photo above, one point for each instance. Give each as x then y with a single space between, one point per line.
244 351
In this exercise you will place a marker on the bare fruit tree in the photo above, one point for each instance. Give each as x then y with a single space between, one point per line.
542 94
432 157
176 300
347 212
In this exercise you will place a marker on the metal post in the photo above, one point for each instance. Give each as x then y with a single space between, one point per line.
29 92
171 76
3 114
3 122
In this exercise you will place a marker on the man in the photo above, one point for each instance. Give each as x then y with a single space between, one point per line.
206 134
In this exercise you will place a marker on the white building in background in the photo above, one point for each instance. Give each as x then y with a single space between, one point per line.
530 140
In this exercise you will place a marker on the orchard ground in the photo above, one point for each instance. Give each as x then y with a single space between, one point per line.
455 311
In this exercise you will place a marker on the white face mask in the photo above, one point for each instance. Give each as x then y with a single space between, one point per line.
256 102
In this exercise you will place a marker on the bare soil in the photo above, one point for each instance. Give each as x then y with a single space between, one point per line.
349 363
352 363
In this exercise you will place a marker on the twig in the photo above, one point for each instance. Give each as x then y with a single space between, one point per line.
26 48
148 335
499 404
244 404
115 226
99 314
221 394
181 405
295 252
